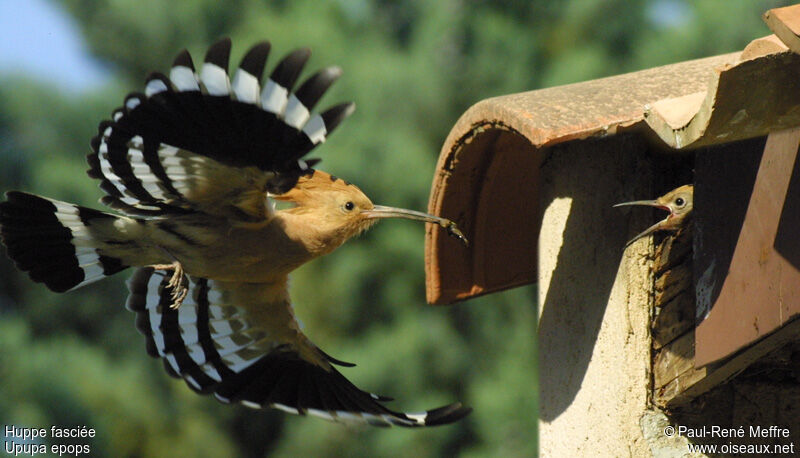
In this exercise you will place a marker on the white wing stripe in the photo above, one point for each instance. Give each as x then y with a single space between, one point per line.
135 155
315 129
184 78
192 382
285 408
237 363
132 103
154 315
215 79
173 362
188 316
348 417
199 357
87 258
189 332
167 151
107 171
245 87
91 273
155 324
176 170
226 344
274 98
145 174
67 209
224 328
296 113
82 250
215 297
418 417
154 86
136 142
321 414
69 220
80 232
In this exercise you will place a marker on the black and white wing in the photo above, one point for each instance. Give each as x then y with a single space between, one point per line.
201 141
242 343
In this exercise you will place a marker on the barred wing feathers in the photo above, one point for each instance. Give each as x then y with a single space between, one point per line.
225 341
205 142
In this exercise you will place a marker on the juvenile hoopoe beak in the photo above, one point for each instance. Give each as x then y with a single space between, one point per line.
677 202
380 211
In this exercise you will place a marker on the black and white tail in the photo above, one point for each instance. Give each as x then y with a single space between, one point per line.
51 241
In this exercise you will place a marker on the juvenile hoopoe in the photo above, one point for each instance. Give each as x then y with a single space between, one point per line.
677 202
192 163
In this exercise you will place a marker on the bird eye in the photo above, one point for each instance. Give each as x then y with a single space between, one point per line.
349 205
680 202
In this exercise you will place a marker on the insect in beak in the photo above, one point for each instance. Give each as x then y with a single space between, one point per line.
380 211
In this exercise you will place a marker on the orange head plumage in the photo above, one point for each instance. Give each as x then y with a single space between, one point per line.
339 210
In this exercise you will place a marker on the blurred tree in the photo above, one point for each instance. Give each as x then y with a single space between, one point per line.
412 67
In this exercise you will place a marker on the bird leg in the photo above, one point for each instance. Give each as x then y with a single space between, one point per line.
178 283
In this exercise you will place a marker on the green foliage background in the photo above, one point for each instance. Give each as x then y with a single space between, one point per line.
412 67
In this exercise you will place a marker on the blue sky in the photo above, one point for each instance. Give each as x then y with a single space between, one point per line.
39 39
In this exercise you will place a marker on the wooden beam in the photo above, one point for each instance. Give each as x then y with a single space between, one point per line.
678 382
673 320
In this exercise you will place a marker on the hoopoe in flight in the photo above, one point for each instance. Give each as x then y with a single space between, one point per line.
192 163
679 204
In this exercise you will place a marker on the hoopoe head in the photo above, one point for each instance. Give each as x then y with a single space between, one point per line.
679 204
338 210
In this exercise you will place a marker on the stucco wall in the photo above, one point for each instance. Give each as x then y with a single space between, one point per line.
594 300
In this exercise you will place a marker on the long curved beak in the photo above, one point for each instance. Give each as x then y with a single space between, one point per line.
651 203
380 211
655 227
